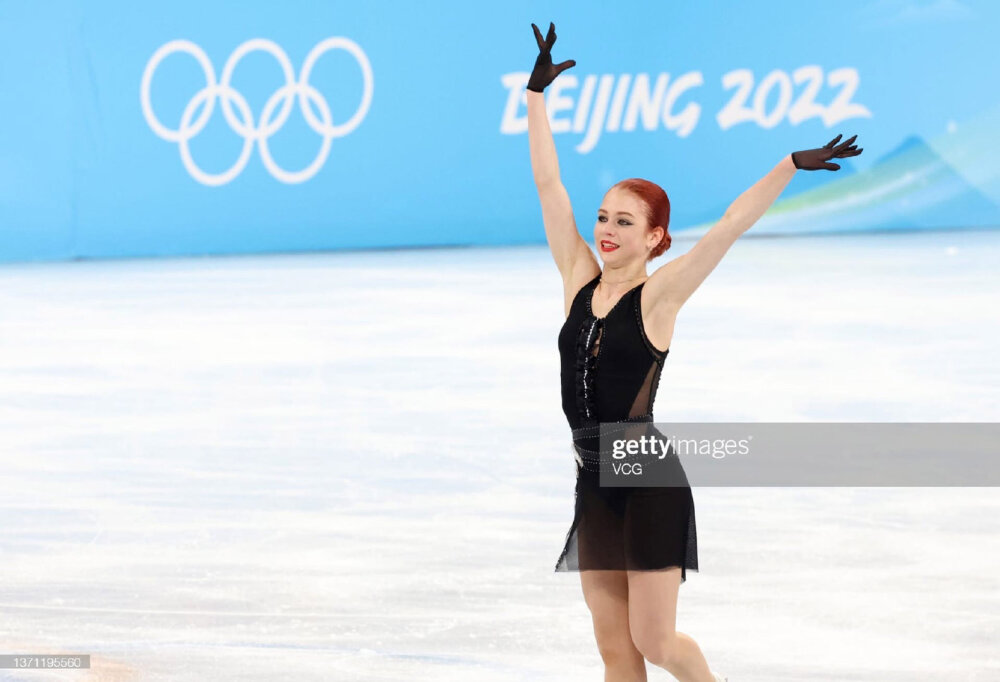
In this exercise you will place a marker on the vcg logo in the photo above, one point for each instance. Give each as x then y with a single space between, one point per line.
268 123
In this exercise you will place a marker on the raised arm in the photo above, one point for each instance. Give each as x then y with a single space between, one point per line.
567 246
672 284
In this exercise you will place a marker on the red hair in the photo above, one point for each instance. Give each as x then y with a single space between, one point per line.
657 208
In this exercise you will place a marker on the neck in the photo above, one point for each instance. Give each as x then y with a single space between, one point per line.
611 277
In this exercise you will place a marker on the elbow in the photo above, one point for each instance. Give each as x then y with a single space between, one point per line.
736 223
546 181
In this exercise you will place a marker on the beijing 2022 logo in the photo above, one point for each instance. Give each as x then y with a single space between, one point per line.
260 130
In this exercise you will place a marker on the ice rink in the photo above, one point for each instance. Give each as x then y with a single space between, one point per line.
354 466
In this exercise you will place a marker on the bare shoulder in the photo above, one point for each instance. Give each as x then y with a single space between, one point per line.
658 307
659 287
657 321
580 274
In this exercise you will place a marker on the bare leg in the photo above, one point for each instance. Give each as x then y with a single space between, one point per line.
606 594
653 621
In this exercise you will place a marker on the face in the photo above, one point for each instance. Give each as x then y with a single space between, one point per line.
621 232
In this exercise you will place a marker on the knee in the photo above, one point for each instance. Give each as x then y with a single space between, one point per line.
617 652
614 643
657 648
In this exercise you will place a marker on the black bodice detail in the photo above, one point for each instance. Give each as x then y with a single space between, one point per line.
609 369
586 364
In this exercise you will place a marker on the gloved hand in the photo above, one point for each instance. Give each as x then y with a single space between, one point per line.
545 72
816 159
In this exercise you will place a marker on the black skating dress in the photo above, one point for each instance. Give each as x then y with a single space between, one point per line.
610 373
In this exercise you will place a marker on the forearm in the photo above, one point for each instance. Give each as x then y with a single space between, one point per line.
752 204
544 162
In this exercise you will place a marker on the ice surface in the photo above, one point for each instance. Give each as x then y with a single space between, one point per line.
354 466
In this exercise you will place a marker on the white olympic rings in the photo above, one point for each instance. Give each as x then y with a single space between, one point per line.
264 128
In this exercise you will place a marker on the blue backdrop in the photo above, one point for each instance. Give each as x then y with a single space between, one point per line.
222 127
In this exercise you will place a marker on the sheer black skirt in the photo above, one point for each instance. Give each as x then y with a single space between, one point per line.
630 528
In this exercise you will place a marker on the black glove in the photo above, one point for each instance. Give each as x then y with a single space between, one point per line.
815 159
544 72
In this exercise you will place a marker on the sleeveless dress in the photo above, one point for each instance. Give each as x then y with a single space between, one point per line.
610 372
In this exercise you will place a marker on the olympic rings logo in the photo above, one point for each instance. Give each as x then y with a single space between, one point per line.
245 125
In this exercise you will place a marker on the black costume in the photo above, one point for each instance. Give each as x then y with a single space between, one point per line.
610 372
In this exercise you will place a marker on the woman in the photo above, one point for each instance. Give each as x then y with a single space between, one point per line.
632 546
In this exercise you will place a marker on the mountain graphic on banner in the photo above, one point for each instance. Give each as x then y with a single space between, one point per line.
911 187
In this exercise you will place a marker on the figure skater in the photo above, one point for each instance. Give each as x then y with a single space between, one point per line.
632 546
